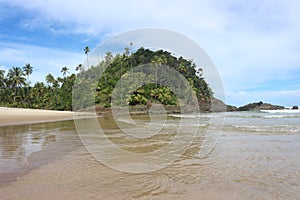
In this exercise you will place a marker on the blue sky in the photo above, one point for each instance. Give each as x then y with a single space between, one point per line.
254 44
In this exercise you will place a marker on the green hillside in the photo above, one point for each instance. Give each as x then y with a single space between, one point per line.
160 69
119 74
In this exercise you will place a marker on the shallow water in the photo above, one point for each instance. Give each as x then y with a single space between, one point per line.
257 156
25 147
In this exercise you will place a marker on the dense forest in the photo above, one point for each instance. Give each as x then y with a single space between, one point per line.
56 94
16 90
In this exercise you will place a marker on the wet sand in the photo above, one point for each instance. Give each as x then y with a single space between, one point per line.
233 171
15 116
244 165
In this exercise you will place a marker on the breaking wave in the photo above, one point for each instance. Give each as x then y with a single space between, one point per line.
274 130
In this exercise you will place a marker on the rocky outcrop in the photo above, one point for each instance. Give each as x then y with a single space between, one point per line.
216 105
295 108
260 106
230 108
219 106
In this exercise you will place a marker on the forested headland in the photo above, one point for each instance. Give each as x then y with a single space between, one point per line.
55 93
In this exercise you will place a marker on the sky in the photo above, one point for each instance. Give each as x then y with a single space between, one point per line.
254 44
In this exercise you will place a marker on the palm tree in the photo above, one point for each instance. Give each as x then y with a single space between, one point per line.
108 57
2 78
131 48
50 79
16 79
86 51
199 72
3 95
79 68
131 60
158 61
39 90
28 70
55 85
126 49
64 71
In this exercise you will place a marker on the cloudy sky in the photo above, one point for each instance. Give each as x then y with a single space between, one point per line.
254 44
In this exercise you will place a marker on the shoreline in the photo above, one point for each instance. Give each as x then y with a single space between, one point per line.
19 116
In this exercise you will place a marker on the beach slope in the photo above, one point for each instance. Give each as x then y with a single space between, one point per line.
15 116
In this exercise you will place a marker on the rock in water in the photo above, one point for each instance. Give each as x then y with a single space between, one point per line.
260 106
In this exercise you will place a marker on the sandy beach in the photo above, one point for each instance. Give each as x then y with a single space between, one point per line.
14 116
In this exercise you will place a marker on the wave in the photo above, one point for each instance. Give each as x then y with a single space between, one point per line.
279 129
281 116
201 115
183 116
177 124
127 121
266 115
281 111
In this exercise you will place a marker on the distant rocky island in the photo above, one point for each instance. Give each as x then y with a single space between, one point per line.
219 105
260 106
215 106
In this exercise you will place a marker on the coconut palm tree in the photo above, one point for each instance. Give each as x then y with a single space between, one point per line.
64 71
158 61
86 51
79 68
2 78
55 85
108 57
16 79
28 70
131 60
199 72
39 90
2 86
126 49
50 79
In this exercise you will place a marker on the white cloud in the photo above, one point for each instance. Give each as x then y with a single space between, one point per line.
124 15
44 60
251 42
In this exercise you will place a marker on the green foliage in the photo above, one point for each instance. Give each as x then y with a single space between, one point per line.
119 81
120 70
28 70
15 91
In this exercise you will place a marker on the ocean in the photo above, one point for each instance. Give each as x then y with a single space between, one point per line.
235 155
265 122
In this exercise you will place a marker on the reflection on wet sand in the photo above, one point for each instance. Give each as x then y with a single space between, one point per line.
25 147
242 166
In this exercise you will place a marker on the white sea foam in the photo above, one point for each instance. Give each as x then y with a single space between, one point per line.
280 116
127 121
281 111
201 115
183 116
269 115
280 129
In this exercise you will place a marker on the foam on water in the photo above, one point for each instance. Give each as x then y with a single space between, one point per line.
281 111
281 116
270 130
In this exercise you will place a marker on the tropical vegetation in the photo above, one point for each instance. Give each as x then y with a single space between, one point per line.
135 87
